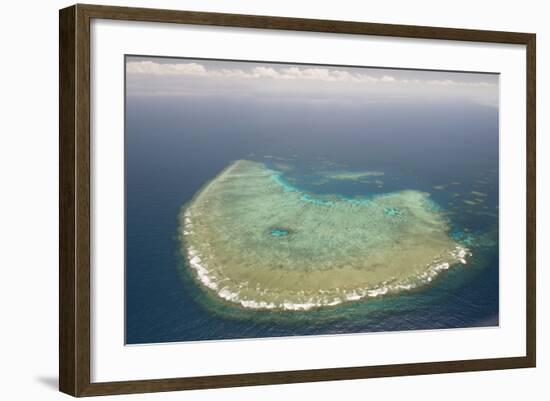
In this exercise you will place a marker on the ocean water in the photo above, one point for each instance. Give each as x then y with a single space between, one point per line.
449 149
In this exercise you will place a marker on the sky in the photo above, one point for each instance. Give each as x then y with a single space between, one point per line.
303 83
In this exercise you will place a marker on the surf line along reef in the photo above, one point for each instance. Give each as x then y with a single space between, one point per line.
253 240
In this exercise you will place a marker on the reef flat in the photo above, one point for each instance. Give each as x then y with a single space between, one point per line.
352 175
253 239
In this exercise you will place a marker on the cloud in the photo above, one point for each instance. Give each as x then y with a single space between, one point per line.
261 72
303 83
286 73
323 74
152 68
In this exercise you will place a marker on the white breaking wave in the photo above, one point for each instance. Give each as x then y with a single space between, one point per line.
324 298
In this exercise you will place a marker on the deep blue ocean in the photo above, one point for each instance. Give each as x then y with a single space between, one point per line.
174 146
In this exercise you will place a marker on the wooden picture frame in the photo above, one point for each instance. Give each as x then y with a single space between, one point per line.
74 199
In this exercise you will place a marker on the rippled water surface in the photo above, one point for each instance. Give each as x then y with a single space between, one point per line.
449 150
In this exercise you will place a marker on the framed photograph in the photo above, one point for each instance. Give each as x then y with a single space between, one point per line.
250 200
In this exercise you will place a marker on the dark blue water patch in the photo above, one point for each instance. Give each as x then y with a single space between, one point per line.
279 232
392 211
174 148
